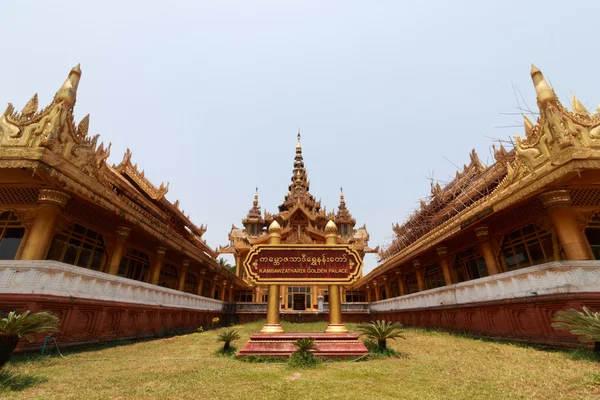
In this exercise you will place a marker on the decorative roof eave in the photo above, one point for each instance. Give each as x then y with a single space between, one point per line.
562 142
116 179
130 170
174 208
286 215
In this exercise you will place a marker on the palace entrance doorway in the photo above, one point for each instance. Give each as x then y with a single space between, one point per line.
299 301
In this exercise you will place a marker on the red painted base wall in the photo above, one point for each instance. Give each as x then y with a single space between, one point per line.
523 319
89 321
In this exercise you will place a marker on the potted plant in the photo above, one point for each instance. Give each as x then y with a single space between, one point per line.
16 326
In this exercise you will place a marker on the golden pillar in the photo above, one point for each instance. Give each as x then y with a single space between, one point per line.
200 282
238 265
486 250
117 253
376 288
368 294
213 287
256 295
230 293
185 264
571 237
442 252
420 275
51 203
272 325
223 290
158 263
335 299
386 284
401 284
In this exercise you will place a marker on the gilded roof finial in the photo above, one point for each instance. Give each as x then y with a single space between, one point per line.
255 203
68 91
543 91
342 201
31 106
331 228
579 108
298 146
274 228
528 126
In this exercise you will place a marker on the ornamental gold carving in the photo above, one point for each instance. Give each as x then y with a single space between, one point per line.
123 231
554 198
482 232
54 128
442 251
51 196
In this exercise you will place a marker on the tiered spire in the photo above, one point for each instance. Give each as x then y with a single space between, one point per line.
343 216
299 178
298 190
254 213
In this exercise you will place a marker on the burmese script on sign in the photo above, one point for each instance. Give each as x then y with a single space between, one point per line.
321 263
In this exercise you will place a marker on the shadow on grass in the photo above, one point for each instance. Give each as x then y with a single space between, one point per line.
65 349
582 355
572 354
12 382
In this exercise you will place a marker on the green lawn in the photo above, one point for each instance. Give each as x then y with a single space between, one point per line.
436 365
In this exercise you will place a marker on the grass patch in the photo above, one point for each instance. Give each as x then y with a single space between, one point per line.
230 352
374 351
433 365
14 382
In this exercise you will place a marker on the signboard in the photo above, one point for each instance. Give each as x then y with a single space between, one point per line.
305 264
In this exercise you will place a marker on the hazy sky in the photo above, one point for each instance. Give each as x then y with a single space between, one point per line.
209 95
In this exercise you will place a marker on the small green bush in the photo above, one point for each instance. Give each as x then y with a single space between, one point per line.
376 352
303 357
227 337
381 331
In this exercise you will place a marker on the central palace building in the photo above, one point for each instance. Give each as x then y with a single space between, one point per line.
303 221
495 252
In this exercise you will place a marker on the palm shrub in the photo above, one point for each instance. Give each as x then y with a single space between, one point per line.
381 331
303 357
227 337
584 324
14 327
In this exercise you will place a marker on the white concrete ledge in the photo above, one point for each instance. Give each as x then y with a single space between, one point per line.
54 278
550 278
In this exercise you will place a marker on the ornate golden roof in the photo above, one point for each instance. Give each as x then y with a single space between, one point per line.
559 137
51 136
